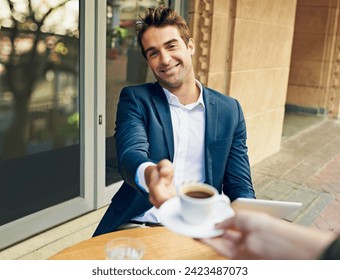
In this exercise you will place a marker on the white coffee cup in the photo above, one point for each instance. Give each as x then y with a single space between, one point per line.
198 201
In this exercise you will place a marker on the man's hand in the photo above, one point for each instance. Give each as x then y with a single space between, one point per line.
159 180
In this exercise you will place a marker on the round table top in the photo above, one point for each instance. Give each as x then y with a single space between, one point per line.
160 243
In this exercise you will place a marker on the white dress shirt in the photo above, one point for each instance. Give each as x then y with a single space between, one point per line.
188 124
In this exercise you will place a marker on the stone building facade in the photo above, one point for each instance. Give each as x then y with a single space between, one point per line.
271 55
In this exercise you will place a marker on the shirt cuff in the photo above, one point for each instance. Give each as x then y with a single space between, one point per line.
140 178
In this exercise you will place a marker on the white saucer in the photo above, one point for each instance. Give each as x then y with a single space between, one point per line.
169 214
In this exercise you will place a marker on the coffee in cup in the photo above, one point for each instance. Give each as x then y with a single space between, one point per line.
199 194
197 202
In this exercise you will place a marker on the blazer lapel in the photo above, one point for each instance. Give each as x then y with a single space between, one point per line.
163 110
210 132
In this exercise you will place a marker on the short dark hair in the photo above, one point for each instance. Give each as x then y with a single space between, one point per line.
161 17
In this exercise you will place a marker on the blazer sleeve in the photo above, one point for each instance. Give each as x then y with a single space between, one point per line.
237 176
130 136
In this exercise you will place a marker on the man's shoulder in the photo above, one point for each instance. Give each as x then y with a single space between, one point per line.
218 96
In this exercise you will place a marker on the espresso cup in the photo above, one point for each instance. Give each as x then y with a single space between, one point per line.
197 202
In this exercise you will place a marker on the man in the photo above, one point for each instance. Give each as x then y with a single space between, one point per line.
174 130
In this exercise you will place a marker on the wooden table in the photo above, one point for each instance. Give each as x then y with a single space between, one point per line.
160 243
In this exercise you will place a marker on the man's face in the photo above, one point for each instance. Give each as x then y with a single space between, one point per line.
168 56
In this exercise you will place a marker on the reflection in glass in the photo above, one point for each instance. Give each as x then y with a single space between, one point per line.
125 65
39 111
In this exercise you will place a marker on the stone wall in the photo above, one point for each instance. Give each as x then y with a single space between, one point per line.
244 50
314 79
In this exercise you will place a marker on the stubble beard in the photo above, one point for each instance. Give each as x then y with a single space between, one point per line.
172 85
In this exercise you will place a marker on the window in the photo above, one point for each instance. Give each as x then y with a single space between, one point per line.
40 115
39 101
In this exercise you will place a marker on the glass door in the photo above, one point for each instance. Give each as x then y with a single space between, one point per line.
122 64
46 124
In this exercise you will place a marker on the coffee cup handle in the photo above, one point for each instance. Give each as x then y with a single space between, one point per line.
223 198
222 213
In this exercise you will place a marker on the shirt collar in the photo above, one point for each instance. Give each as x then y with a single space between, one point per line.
172 99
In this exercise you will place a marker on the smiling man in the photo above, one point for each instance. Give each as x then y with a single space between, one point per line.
174 131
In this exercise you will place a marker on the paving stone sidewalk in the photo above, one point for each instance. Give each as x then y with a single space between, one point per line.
307 169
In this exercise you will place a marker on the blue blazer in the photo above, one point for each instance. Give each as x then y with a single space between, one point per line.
144 133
